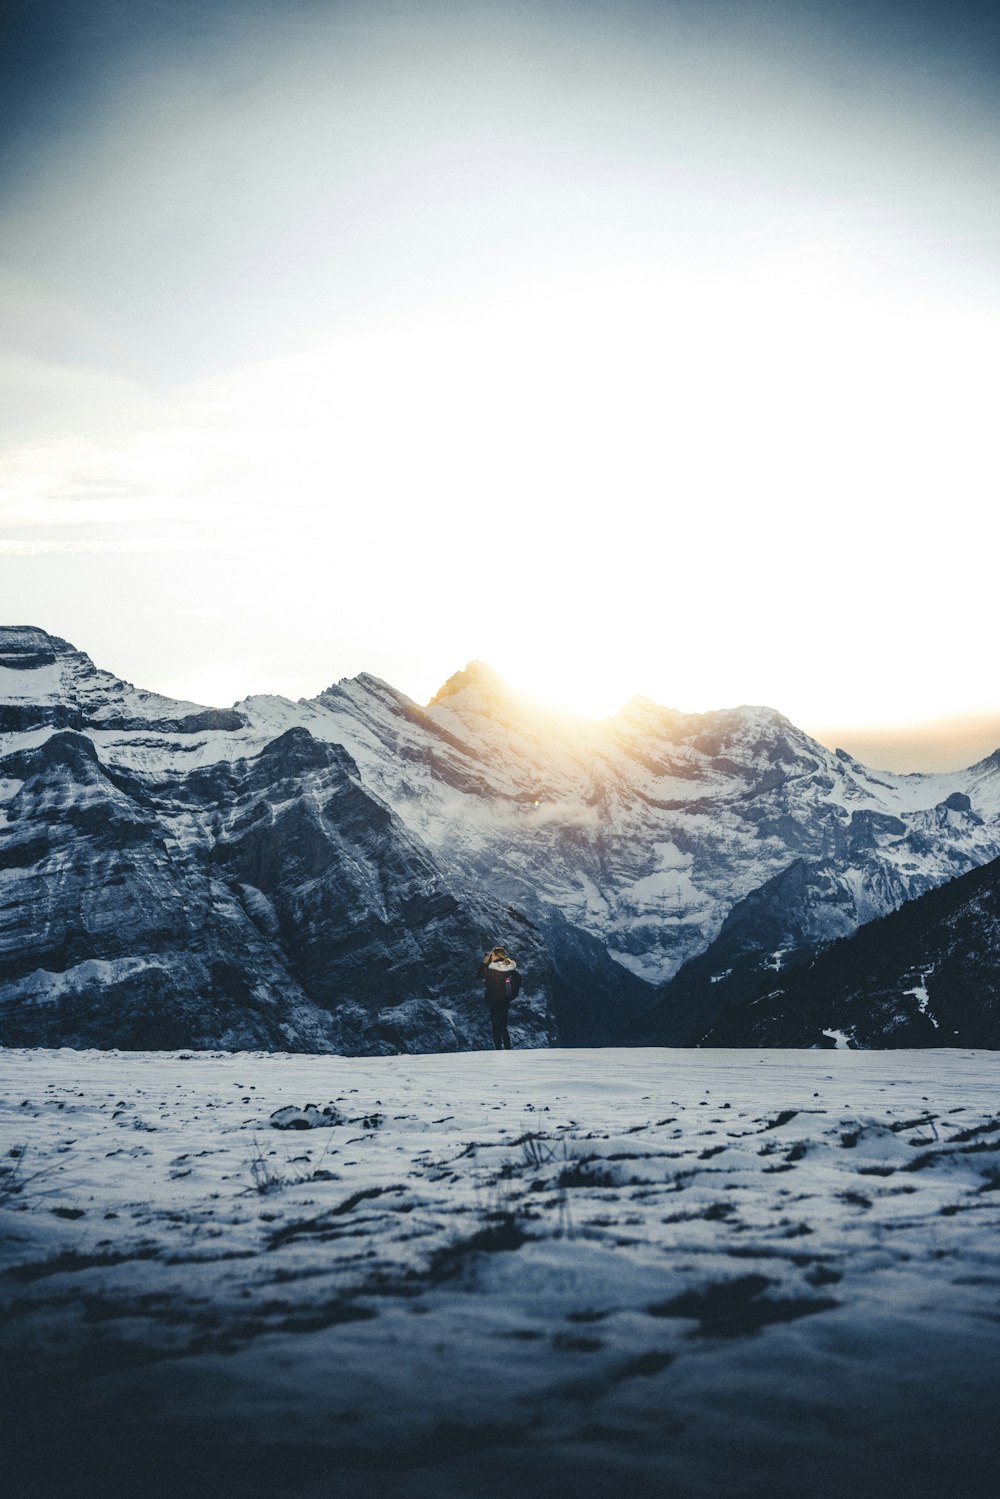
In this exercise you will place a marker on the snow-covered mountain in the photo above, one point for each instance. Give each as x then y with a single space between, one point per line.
325 873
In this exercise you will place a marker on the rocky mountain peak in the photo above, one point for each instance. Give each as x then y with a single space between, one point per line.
27 648
751 731
751 719
477 677
645 713
989 766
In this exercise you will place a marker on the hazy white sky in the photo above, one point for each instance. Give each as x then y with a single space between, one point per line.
628 347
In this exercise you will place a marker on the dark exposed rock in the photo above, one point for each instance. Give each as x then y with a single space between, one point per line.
17 718
783 922
928 974
188 723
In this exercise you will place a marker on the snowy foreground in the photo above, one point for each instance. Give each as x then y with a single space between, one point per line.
632 1273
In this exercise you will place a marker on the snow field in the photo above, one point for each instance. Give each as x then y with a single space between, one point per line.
674 1272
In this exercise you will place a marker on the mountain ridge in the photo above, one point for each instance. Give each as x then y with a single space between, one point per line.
923 975
624 845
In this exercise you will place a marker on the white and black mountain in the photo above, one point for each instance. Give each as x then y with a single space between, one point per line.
324 874
928 974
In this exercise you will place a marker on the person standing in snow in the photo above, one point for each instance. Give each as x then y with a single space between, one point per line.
503 983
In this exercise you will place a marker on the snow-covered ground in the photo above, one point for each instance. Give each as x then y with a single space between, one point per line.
669 1273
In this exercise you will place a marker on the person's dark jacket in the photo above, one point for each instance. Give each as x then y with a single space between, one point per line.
496 975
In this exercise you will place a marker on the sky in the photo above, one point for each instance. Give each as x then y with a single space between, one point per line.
629 347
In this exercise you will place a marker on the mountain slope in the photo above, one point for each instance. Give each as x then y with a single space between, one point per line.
925 975
646 829
110 936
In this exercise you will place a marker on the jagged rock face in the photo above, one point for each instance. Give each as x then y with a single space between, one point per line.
343 862
925 975
109 937
645 831
183 884
358 906
786 921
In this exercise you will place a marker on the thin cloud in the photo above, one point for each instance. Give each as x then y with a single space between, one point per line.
133 546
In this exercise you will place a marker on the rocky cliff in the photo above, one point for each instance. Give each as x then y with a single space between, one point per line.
928 974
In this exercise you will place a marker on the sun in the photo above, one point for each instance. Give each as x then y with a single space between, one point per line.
565 687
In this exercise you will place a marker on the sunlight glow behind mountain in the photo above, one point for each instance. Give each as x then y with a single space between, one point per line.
633 348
